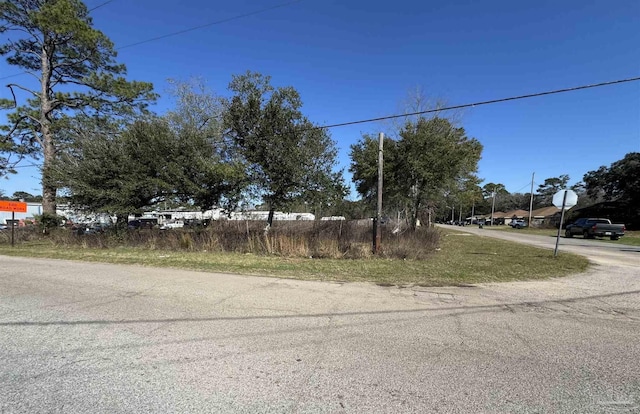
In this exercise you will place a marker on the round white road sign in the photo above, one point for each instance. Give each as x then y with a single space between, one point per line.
572 199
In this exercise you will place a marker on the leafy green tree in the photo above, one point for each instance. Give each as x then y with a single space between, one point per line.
549 188
619 182
214 173
584 198
352 210
288 160
435 156
489 189
124 173
119 174
469 194
76 72
28 197
514 201
429 161
364 170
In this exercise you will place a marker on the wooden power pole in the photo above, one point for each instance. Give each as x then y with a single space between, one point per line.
378 230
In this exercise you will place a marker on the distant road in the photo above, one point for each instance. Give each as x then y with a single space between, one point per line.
615 253
102 338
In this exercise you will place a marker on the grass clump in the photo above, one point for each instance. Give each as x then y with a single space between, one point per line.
326 240
430 258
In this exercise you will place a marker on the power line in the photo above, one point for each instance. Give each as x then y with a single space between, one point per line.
471 105
12 76
524 186
277 6
100 5
27 166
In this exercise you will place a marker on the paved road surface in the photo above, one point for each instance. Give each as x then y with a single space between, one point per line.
100 338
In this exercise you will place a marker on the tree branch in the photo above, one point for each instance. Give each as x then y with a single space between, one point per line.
17 123
11 85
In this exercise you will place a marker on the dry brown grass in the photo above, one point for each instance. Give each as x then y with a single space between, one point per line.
322 240
460 261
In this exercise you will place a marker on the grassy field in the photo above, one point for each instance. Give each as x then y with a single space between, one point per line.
630 237
462 259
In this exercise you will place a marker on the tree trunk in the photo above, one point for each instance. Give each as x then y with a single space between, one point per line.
414 215
416 209
49 189
270 218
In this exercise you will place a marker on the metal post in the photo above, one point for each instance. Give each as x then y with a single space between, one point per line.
531 202
376 247
564 201
13 228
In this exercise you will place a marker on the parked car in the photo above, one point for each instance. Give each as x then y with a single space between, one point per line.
142 223
134 224
595 227
96 228
518 223
177 224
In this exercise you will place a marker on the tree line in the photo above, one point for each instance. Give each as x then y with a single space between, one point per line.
102 149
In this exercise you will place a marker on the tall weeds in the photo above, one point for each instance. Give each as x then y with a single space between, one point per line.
319 239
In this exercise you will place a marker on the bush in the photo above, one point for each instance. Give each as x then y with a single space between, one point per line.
48 221
317 239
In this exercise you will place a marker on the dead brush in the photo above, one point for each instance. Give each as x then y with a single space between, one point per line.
317 239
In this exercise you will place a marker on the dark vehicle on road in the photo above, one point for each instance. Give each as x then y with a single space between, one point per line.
590 228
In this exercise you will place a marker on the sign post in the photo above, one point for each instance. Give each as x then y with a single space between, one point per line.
564 200
14 207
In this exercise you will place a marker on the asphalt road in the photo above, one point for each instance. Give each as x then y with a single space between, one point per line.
100 338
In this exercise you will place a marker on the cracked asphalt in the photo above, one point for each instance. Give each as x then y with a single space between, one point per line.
101 338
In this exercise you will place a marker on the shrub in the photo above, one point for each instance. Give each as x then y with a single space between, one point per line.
48 221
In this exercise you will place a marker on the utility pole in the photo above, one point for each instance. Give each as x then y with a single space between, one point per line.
376 246
531 202
493 204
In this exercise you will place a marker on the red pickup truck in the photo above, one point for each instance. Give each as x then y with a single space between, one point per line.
595 227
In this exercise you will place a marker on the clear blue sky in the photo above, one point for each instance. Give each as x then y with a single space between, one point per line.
356 59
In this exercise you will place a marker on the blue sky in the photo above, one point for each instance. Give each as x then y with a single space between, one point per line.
356 59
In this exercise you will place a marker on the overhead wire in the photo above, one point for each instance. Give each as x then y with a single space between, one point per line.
202 26
523 187
100 5
472 105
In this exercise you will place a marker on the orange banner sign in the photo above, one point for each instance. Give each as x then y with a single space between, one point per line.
14 206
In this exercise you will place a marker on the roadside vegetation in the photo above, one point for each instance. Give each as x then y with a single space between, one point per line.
104 152
298 239
432 258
